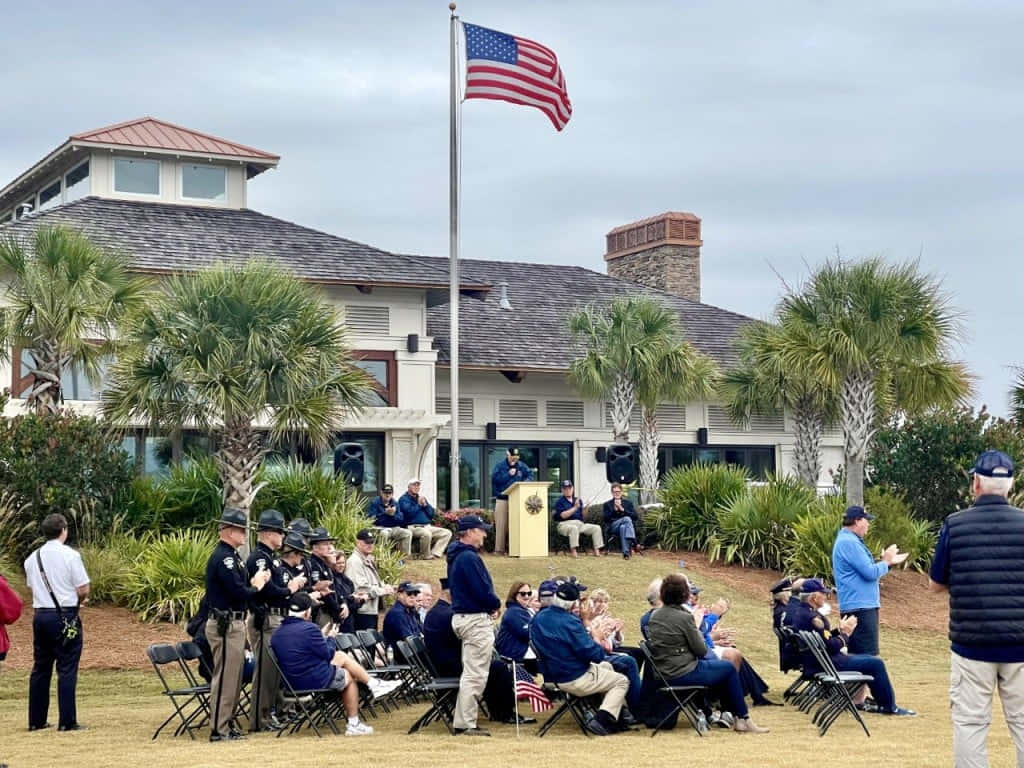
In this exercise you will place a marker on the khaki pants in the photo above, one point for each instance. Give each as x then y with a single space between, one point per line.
228 663
501 526
573 529
601 678
476 632
972 685
401 536
266 680
433 541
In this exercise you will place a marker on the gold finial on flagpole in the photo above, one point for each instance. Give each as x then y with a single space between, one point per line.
451 7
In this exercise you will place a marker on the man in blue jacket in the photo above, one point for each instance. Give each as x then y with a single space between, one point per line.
403 619
568 517
474 608
568 656
417 514
856 574
388 522
506 472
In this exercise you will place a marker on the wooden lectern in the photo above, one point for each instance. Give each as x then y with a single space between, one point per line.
528 519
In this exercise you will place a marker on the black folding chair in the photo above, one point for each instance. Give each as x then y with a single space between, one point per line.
313 707
682 697
441 692
374 646
804 688
577 706
837 687
190 702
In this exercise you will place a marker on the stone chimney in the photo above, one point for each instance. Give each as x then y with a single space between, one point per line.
661 252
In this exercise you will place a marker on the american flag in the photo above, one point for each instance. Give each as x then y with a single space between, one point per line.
510 68
527 689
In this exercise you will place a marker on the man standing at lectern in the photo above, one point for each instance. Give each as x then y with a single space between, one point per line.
505 473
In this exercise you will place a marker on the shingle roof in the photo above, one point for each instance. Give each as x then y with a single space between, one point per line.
163 237
534 335
150 133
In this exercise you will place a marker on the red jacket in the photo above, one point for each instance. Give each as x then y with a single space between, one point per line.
10 610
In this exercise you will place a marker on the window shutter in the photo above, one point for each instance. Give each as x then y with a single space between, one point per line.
517 413
368 321
565 413
444 405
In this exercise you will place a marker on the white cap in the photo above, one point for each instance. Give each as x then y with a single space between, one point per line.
414 481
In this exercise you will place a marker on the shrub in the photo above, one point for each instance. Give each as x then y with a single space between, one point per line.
450 520
893 524
691 496
814 533
55 463
168 579
189 495
755 526
110 566
303 490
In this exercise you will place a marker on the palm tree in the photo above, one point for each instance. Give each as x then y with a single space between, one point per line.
761 384
64 298
1017 398
230 351
879 335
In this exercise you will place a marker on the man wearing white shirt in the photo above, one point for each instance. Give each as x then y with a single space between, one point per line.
59 584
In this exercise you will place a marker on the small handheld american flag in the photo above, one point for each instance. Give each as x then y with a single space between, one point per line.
514 69
527 689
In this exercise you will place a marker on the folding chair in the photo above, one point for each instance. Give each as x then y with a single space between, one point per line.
441 692
804 686
350 645
838 687
577 706
682 697
313 706
373 647
190 702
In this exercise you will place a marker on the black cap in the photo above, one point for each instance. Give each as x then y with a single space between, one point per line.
568 591
295 542
301 525
993 464
388 488
366 535
567 483
300 602
513 451
856 513
781 586
409 587
233 517
271 520
469 522
320 535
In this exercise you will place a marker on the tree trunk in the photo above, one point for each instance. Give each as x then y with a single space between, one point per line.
623 402
649 440
808 425
238 458
48 363
858 414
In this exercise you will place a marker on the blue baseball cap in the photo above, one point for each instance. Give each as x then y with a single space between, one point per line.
993 464
547 588
469 522
856 513
814 585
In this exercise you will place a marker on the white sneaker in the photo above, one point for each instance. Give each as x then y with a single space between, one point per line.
358 729
380 688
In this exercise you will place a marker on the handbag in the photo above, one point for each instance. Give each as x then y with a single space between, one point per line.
69 626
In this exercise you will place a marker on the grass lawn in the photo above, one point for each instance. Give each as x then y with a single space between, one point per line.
123 708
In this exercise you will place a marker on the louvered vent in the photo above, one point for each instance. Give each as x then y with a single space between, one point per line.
368 321
634 419
671 418
444 405
767 422
565 413
719 419
517 413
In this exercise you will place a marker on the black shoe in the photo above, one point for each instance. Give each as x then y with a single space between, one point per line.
900 712
74 727
471 732
235 735
626 719
762 702
513 719
596 727
39 727
625 555
868 706
217 737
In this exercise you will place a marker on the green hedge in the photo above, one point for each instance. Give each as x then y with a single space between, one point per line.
691 497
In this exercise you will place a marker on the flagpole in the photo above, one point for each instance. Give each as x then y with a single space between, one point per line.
453 269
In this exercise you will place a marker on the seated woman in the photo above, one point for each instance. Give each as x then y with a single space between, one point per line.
679 651
513 640
722 645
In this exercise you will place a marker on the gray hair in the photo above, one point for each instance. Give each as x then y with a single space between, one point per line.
654 591
562 603
994 486
424 587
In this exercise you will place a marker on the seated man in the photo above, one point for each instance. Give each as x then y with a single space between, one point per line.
806 616
568 656
568 517
721 643
417 516
620 518
388 522
403 619
309 662
653 600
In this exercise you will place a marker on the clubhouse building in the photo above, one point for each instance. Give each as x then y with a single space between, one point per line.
174 200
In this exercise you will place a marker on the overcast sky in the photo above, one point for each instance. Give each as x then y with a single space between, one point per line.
791 128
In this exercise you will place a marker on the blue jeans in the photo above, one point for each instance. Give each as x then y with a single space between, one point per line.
623 528
625 664
721 677
880 687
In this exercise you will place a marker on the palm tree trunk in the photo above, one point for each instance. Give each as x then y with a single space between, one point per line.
44 396
238 458
808 425
649 440
858 413
623 402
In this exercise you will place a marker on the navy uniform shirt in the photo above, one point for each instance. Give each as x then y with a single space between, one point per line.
344 591
276 593
804 618
562 505
505 474
227 585
321 571
443 645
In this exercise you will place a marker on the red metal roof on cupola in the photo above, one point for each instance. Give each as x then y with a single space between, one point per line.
150 133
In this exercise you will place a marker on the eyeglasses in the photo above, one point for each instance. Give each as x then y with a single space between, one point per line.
527 593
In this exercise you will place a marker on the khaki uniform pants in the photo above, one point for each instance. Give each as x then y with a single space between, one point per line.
432 540
501 526
401 536
573 529
972 685
476 632
601 678
228 663
266 679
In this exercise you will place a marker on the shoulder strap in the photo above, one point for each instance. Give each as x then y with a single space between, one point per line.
46 581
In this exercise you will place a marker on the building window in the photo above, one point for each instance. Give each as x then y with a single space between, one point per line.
295 449
383 369
49 197
76 182
136 177
25 208
204 182
550 462
74 384
758 460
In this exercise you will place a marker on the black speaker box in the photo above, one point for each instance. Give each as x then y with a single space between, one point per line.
702 436
348 462
492 430
620 464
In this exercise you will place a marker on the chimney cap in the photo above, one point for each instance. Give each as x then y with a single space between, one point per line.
668 228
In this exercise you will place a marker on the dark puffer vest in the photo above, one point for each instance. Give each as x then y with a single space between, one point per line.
986 583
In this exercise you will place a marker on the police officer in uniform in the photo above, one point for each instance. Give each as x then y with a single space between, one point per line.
267 611
229 588
504 474
321 571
